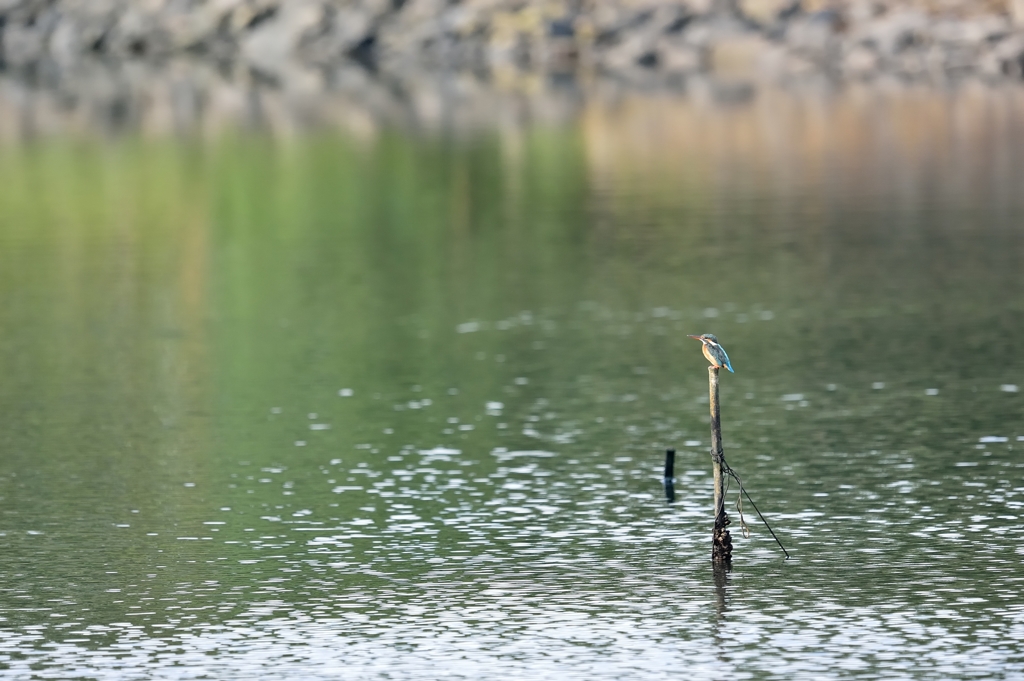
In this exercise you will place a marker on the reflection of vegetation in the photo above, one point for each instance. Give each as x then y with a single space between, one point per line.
361 263
101 277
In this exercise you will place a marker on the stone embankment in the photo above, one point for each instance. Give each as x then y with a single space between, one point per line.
636 39
171 60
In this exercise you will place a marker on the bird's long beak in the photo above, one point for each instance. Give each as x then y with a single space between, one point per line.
694 337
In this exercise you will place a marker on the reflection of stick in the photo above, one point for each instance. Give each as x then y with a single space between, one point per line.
721 541
670 478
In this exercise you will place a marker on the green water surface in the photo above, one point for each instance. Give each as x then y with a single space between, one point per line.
327 408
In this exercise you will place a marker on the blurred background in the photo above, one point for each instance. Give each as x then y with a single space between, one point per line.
198 67
346 338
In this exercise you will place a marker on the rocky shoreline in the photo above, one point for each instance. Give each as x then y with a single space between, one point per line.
933 39
115 57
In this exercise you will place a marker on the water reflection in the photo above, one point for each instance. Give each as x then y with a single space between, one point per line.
720 573
301 409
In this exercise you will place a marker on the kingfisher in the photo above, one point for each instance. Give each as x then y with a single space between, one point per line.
714 352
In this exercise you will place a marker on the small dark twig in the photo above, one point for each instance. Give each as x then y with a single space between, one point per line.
670 479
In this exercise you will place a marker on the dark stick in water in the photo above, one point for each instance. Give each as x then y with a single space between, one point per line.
670 477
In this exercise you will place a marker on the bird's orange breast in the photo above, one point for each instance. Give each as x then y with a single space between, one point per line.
710 357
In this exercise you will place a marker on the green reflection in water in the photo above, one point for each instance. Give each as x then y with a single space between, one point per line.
176 323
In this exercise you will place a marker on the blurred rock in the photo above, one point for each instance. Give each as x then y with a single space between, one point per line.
275 41
816 35
973 32
860 62
345 31
676 57
739 57
1009 57
23 45
768 12
891 34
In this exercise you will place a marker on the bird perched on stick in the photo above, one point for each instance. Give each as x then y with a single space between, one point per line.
713 351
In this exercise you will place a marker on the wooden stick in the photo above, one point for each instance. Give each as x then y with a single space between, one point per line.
670 475
721 541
